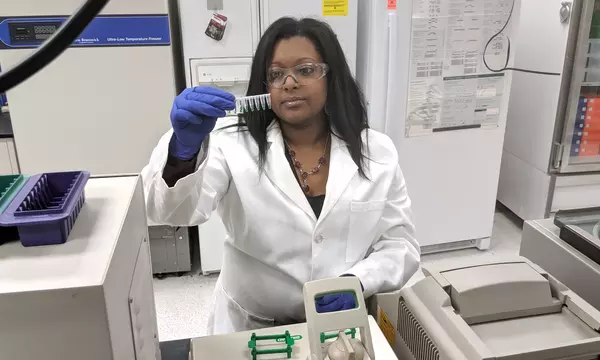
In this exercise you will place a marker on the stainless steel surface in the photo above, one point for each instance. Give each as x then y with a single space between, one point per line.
565 11
578 74
6 130
565 88
170 249
541 243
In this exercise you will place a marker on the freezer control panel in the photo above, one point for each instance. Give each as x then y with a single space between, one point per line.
31 33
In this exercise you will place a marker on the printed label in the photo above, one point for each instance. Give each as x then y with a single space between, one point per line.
391 4
104 30
386 326
216 27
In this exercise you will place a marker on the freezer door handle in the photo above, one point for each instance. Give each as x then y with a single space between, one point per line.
391 65
558 151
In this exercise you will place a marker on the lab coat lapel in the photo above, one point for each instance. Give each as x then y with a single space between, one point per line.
342 170
279 172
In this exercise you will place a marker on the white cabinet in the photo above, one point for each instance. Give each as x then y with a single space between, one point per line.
212 241
8 157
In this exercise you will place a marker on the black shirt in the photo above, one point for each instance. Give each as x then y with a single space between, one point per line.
316 202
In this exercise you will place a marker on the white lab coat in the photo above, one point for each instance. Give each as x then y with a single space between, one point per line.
275 243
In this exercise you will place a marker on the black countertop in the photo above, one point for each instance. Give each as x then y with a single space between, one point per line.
175 350
6 130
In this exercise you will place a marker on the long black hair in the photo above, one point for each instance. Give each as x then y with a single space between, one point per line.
345 105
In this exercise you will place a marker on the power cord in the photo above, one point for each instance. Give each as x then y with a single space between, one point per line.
506 68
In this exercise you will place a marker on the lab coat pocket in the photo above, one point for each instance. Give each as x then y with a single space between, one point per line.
364 218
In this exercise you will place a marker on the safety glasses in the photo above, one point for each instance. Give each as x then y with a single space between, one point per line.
303 74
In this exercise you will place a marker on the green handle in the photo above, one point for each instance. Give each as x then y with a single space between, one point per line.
351 332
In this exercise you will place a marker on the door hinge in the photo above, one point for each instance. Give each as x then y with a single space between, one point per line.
558 152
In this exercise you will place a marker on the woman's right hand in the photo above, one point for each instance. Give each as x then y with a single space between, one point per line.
194 115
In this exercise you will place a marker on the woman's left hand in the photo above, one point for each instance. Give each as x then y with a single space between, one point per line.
335 302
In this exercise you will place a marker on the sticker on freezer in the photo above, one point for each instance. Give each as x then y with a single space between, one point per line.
335 7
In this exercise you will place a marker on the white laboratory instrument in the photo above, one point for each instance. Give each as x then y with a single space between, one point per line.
551 158
235 346
225 63
564 257
103 104
420 66
495 310
312 340
90 298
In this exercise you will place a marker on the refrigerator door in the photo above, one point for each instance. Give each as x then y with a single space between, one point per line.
451 170
232 75
581 132
344 22
542 43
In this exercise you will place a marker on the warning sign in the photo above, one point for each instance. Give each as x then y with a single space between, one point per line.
335 7
386 326
391 5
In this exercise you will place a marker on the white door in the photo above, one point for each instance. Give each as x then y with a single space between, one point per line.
344 22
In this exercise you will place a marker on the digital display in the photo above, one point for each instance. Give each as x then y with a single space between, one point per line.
31 33
45 29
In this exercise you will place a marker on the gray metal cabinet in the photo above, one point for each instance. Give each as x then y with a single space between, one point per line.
170 249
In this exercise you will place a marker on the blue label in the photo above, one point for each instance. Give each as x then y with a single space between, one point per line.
105 30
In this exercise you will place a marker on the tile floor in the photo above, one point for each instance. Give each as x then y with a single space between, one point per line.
183 303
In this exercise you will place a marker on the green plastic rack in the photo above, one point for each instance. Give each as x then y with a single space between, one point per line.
9 187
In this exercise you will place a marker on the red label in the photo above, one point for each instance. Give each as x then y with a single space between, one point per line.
391 5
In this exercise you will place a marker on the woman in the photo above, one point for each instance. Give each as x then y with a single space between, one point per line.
305 190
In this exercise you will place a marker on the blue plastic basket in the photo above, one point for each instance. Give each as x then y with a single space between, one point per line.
45 209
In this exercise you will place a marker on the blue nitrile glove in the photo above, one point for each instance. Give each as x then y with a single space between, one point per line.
194 115
337 302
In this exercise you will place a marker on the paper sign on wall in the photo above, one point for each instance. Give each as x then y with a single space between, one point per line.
335 7
391 5
450 88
